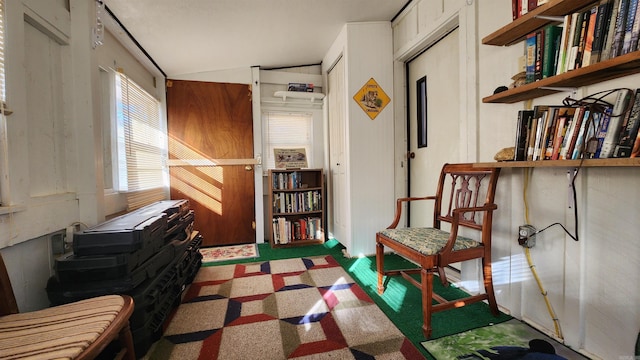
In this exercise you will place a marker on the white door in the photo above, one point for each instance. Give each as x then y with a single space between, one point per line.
438 69
337 159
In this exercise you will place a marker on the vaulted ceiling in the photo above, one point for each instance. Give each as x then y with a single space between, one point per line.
192 36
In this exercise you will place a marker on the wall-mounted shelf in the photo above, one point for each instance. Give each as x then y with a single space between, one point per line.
311 96
605 70
612 162
518 29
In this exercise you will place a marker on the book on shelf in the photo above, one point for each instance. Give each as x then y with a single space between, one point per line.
530 56
581 135
537 70
635 152
601 29
541 113
551 43
619 29
550 131
635 30
562 51
564 120
571 135
576 36
628 28
605 52
629 131
522 132
602 131
620 110
287 231
589 37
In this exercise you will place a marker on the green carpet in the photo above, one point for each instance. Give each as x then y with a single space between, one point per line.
401 301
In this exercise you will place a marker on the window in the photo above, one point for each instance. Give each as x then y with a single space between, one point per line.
422 111
287 131
141 145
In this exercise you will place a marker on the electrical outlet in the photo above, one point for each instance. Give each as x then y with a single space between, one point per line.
527 236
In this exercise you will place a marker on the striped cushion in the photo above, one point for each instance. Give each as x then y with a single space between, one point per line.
60 332
427 241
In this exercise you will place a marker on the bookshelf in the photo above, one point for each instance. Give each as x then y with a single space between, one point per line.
296 207
517 30
610 162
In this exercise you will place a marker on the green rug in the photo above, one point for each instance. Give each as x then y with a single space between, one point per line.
509 340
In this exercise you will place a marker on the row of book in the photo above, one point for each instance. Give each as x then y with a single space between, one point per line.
594 131
286 231
521 7
303 201
287 181
607 29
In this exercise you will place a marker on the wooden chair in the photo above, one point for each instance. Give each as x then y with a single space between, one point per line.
465 200
79 330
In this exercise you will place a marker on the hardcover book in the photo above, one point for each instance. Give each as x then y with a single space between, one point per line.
522 132
629 132
620 110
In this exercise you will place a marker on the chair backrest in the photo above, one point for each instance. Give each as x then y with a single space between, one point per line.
8 304
463 185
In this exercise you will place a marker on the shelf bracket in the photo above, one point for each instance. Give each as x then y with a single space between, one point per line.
550 18
571 90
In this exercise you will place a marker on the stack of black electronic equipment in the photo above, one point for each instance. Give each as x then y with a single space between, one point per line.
151 254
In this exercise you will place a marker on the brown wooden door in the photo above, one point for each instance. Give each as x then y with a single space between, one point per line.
210 129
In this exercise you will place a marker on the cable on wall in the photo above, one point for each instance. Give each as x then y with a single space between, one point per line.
527 251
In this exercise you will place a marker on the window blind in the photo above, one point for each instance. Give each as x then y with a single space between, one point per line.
142 143
288 131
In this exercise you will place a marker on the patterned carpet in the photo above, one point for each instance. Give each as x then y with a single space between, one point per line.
304 308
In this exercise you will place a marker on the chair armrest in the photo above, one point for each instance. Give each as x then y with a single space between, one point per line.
399 202
453 234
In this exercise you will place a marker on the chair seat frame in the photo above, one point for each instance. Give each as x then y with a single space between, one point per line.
462 212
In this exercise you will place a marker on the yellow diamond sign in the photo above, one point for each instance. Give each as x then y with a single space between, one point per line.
371 98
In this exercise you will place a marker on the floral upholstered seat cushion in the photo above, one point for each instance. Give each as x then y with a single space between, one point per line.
427 241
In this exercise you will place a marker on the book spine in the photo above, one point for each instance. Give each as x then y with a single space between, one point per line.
576 27
602 131
550 132
583 38
618 34
628 28
552 35
635 31
562 55
524 118
629 133
539 133
578 144
530 49
537 72
605 53
559 135
589 37
615 123
567 149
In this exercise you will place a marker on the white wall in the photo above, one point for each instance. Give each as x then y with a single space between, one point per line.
593 284
365 48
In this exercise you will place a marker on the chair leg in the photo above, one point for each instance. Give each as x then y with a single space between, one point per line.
380 266
126 339
427 296
488 286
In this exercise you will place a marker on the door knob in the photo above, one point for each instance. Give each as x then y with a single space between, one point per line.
411 155
248 168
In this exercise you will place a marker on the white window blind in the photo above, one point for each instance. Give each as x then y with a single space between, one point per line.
287 131
142 144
